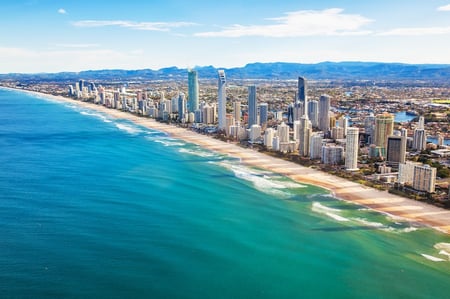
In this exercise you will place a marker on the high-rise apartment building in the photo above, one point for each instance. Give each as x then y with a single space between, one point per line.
351 149
315 146
237 111
420 136
384 127
324 116
313 113
263 114
222 98
304 136
396 150
192 103
252 106
424 178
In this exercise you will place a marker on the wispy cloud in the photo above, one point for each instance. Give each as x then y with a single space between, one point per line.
444 8
62 11
416 31
79 46
300 23
149 26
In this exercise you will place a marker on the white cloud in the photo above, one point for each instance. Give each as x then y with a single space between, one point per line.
444 8
77 45
150 26
300 23
62 11
417 31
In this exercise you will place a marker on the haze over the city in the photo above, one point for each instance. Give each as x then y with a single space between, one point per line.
50 36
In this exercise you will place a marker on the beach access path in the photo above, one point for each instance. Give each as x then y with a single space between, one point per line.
343 189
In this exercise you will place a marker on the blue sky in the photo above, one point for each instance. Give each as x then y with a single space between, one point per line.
54 36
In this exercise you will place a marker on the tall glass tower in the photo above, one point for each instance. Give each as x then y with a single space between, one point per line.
222 98
302 93
192 104
252 106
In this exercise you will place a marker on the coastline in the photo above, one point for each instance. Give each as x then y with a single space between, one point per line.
342 189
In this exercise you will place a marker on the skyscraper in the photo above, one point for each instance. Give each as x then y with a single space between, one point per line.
222 98
315 146
420 136
304 136
396 150
237 111
351 149
384 127
192 104
263 114
313 113
424 178
324 117
252 106
302 91
181 107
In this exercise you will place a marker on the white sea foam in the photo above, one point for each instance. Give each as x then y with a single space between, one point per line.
432 258
369 223
330 212
169 142
443 252
442 246
259 181
197 152
128 128
97 115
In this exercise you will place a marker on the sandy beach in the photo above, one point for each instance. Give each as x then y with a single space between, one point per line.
343 189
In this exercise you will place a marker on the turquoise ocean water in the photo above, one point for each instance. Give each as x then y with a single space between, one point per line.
94 207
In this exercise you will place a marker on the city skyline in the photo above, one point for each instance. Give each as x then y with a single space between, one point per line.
42 36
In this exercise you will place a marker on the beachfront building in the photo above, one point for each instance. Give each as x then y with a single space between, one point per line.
283 132
313 113
406 172
181 107
332 154
263 114
315 146
269 134
252 106
424 178
324 113
384 127
396 150
192 104
237 111
222 98
351 149
255 133
304 135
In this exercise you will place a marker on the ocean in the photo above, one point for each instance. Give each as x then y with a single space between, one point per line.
97 207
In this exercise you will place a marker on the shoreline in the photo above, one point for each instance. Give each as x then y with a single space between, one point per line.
342 189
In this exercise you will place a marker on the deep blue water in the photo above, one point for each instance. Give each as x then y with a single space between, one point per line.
95 207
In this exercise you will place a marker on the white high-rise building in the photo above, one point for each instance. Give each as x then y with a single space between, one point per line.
406 172
283 132
255 133
424 178
269 134
304 135
296 129
332 154
315 146
222 98
351 149
237 111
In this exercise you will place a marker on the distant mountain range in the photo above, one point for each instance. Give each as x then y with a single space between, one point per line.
272 71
